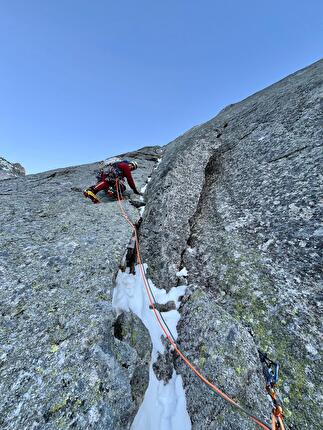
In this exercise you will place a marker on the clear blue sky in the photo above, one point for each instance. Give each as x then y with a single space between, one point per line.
82 80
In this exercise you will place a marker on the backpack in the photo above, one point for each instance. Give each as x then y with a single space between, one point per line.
113 172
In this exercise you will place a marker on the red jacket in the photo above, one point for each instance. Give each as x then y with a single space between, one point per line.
126 173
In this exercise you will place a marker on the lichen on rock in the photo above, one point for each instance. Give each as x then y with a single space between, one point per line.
237 202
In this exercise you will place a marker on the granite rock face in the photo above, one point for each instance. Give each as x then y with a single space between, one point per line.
237 202
224 352
66 360
9 170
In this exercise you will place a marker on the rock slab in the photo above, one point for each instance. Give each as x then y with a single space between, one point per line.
63 362
237 201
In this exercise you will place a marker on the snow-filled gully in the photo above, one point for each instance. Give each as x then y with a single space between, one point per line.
164 405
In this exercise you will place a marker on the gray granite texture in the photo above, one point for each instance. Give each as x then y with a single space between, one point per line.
66 360
238 202
9 170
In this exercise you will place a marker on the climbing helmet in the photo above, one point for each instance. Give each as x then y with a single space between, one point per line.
134 165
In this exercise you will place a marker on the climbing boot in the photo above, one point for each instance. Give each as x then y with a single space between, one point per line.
90 194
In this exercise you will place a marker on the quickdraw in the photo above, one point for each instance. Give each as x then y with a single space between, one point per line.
271 372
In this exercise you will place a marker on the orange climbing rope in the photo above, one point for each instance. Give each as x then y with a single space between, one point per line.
277 413
275 418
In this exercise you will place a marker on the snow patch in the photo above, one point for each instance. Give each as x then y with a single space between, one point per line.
164 405
143 189
130 295
182 273
158 163
142 210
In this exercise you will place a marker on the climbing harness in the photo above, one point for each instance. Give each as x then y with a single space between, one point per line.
171 339
271 372
107 181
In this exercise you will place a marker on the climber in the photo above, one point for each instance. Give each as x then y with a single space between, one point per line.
109 176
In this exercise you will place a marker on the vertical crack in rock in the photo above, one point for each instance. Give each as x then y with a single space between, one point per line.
251 245
154 381
167 395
